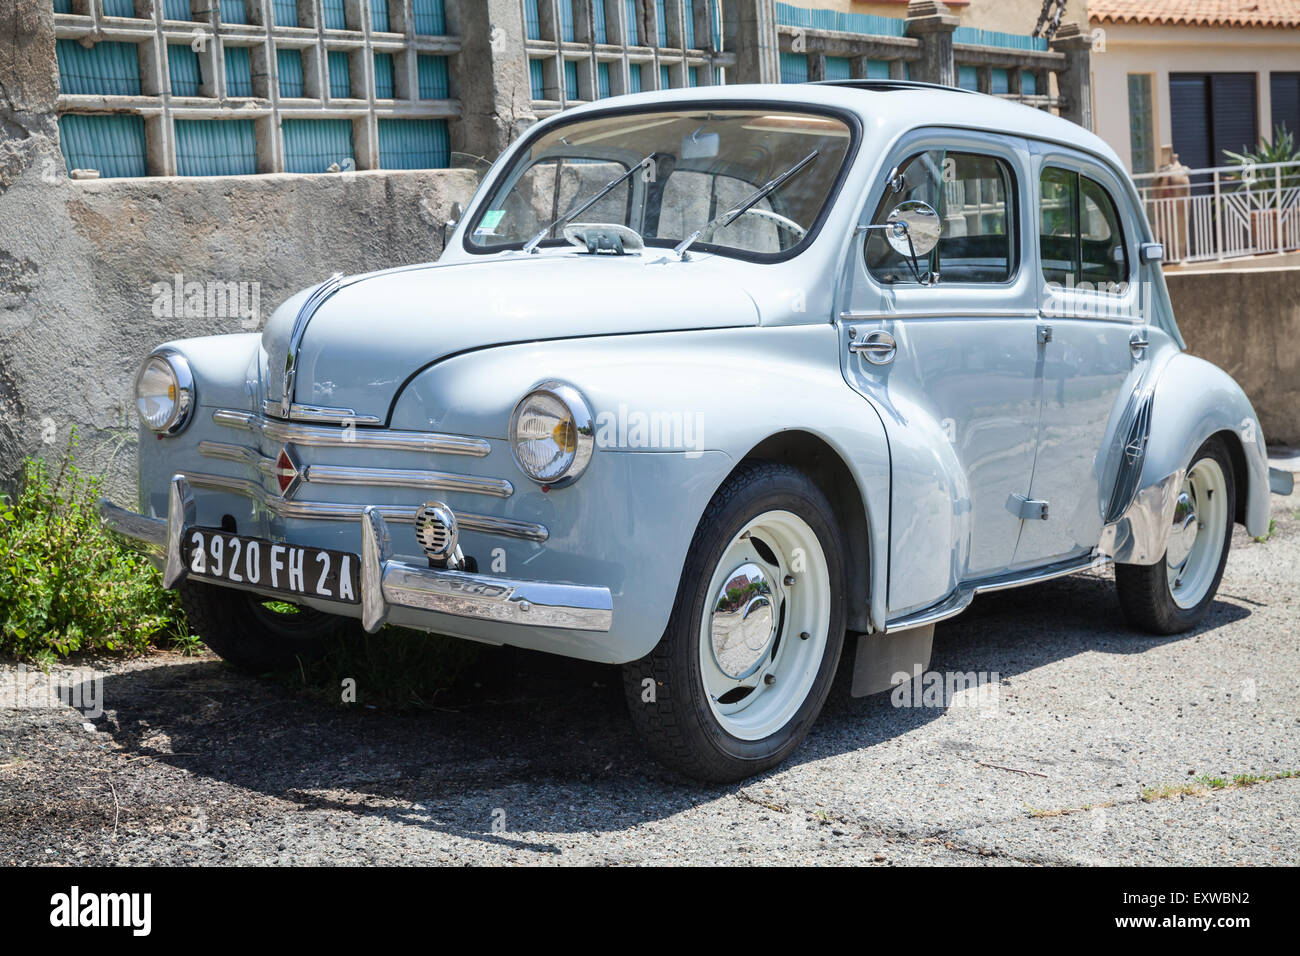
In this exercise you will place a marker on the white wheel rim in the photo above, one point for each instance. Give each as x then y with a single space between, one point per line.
762 681
1196 539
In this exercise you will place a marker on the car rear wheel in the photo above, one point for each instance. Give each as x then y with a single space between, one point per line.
257 635
751 649
1173 594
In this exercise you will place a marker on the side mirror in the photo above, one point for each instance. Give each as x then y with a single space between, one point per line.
1151 252
913 228
450 225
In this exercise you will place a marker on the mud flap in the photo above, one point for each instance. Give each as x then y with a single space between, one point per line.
881 656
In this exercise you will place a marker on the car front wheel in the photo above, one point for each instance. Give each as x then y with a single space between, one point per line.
257 635
1173 594
751 649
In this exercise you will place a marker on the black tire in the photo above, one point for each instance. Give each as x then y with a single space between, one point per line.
679 728
253 638
1144 592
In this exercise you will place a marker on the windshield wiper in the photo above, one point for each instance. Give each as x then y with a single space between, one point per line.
735 212
532 244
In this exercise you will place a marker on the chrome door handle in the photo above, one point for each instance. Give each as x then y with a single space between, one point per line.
877 347
1138 343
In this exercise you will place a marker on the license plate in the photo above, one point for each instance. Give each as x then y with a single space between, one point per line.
285 568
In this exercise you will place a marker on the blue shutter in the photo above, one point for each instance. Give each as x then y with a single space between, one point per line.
968 78
1001 81
566 21
119 8
693 76
602 79
430 17
340 76
289 64
570 79
111 69
839 68
312 146
537 79
432 75
283 12
634 78
62 6
178 10
383 76
215 148
233 11
532 20
335 17
794 68
665 80
413 144
239 71
688 8
661 6
1028 83
598 19
183 65
112 144
379 16
633 35
877 69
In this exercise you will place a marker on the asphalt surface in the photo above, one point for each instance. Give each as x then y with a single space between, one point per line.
192 763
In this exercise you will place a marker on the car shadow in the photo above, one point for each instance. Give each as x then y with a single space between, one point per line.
546 741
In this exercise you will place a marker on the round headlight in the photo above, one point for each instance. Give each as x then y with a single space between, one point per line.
164 392
552 433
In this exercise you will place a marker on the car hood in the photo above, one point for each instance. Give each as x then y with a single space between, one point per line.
371 335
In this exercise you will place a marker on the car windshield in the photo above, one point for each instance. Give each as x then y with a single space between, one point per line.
697 165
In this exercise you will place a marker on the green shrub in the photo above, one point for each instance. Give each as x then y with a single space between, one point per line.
66 583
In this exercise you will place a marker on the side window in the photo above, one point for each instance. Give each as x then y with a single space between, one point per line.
1080 237
974 197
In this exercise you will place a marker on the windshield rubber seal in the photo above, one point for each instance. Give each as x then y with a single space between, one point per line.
848 117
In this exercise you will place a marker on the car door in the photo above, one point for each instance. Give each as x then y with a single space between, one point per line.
1092 304
958 391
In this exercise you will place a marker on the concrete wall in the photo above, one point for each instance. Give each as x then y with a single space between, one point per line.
1161 50
82 264
1247 322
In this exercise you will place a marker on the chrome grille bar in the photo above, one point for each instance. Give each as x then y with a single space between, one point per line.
330 511
323 437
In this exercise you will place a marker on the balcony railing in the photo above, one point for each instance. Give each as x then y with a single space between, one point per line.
1224 212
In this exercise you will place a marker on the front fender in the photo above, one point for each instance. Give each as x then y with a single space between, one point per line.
714 394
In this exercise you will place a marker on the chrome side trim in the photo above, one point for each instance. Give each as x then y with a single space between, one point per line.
386 584
317 437
374 477
961 599
319 413
314 301
328 511
850 315
1141 533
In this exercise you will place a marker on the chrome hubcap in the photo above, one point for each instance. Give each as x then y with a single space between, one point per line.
743 622
763 637
1200 522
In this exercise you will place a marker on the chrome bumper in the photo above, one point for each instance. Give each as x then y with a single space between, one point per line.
387 583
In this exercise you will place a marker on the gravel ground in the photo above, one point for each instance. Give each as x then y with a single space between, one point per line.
191 763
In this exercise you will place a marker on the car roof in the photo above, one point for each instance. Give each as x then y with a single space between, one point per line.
887 109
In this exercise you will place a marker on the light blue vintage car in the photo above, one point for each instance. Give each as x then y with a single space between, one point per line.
703 381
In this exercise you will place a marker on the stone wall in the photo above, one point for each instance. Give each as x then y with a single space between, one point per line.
83 264
1247 322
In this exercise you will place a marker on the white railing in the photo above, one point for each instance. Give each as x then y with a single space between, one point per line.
1224 212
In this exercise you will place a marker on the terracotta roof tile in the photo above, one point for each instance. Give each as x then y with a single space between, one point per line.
1203 13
